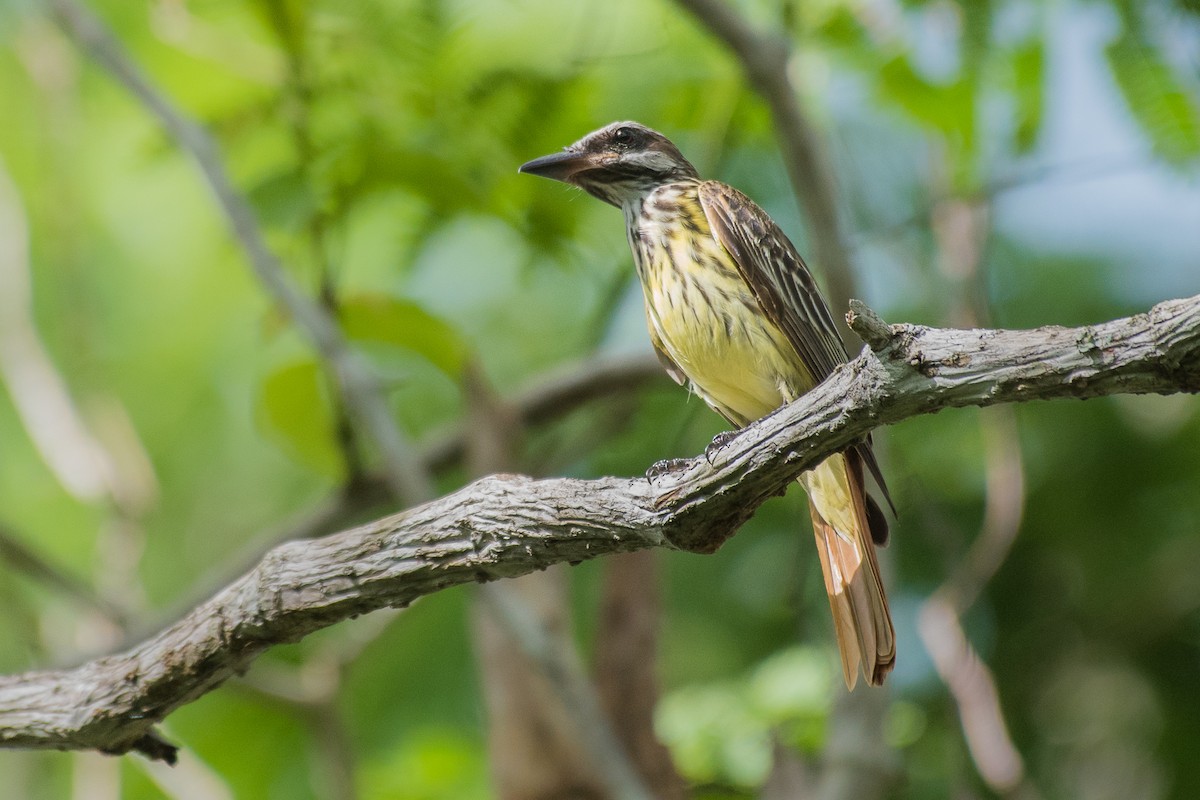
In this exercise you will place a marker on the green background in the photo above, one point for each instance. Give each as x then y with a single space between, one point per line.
378 143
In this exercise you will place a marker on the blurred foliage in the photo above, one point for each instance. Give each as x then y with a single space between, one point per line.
378 142
725 731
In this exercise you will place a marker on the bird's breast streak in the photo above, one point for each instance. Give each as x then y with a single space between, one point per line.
708 319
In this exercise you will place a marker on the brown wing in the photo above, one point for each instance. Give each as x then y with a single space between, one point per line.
770 265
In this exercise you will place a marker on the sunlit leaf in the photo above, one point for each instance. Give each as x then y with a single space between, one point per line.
714 734
794 682
432 763
723 730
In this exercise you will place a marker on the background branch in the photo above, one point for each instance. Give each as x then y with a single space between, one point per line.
556 658
547 733
556 394
19 557
509 525
766 57
961 230
359 386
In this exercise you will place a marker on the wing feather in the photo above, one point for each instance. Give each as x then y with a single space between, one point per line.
777 275
775 272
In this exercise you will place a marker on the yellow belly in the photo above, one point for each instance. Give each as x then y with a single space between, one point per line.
711 326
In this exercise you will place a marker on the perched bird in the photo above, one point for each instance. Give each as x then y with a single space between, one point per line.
733 311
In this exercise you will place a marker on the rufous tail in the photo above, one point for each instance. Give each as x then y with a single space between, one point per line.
838 502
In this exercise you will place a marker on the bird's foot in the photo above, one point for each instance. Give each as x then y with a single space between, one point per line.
718 444
661 468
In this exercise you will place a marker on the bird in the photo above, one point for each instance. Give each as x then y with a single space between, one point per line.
734 313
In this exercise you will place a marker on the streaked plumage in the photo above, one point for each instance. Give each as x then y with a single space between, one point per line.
733 311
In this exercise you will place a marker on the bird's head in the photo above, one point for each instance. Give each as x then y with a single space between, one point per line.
618 163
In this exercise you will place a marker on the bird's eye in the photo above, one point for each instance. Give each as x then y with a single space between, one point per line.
624 136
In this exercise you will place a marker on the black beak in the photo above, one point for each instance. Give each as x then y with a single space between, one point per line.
559 166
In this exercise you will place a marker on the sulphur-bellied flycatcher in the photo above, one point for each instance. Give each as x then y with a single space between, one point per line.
733 310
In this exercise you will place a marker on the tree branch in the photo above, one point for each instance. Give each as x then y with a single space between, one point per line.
510 525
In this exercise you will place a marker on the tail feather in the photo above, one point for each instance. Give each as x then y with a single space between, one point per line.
841 525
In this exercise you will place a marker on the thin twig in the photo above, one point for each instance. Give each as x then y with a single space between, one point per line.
974 691
188 779
20 557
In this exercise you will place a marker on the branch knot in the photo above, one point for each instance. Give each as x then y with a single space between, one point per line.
870 326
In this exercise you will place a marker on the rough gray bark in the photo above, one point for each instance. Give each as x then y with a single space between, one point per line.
497 527
508 525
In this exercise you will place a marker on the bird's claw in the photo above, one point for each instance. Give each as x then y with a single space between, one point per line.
665 467
717 444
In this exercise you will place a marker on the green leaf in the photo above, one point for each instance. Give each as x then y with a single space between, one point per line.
295 410
404 324
975 42
1166 114
289 20
838 26
1028 75
284 200
949 108
431 762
